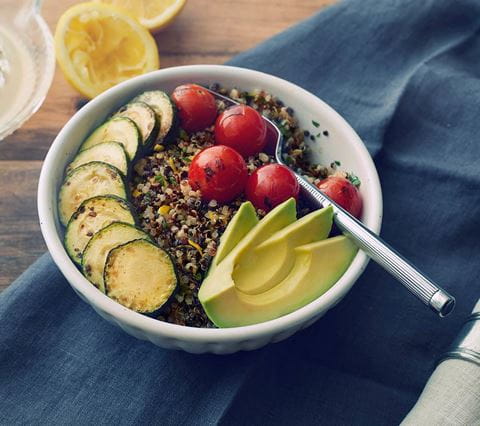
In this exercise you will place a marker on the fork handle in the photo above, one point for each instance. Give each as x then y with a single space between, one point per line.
418 284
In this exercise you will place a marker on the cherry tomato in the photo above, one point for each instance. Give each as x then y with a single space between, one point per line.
219 172
271 185
196 107
343 192
241 128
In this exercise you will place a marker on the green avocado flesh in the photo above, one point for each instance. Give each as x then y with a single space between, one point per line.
243 221
255 272
281 216
300 265
317 267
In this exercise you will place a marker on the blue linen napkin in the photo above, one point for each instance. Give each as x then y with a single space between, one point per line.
405 74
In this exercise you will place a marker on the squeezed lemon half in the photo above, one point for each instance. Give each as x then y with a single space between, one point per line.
152 14
99 45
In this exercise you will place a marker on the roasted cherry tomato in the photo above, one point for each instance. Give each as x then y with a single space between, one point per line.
343 192
219 172
241 128
196 107
271 185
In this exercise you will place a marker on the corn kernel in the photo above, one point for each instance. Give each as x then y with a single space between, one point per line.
195 246
172 165
163 210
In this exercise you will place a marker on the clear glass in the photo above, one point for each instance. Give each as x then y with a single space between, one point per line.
27 62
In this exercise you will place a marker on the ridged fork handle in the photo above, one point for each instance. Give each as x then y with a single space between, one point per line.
377 249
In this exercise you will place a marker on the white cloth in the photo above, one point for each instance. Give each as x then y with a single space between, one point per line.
452 394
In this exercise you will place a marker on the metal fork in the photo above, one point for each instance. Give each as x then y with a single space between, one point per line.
378 250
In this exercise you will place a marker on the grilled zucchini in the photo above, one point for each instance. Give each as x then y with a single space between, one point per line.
140 276
165 110
87 181
97 249
145 119
93 215
108 152
118 129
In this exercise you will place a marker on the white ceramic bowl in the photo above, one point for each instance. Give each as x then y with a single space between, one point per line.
343 144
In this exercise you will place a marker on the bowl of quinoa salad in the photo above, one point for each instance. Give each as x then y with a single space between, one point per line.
319 144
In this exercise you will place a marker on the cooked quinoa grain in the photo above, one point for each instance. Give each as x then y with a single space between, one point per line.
188 227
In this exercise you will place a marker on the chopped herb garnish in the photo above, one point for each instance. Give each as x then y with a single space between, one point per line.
334 164
353 179
286 133
172 180
318 135
160 179
337 163
315 123
183 135
198 276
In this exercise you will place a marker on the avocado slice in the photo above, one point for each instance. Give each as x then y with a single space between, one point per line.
280 217
316 268
242 222
255 272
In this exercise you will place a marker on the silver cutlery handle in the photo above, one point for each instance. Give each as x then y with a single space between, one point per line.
418 284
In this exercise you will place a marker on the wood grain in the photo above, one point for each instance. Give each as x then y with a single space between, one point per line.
206 32
20 239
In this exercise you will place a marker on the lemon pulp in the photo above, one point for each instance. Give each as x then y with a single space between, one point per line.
99 46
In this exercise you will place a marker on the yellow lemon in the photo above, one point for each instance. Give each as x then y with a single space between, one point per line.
99 45
152 14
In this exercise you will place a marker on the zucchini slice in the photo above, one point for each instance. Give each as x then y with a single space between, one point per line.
108 152
118 129
140 276
165 109
145 119
97 249
87 181
93 215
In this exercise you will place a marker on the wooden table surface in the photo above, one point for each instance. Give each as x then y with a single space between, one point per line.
206 32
